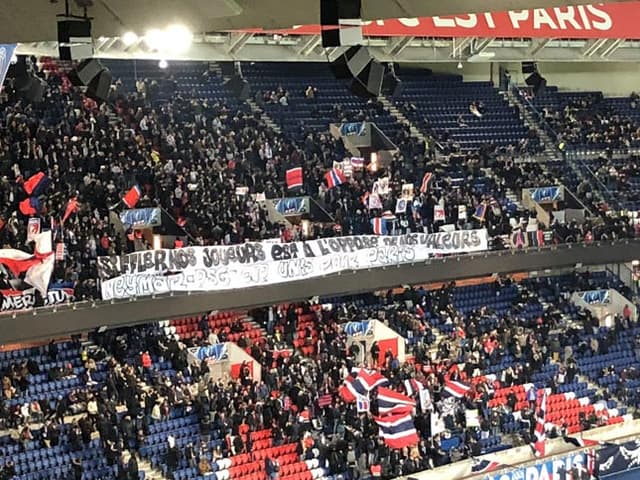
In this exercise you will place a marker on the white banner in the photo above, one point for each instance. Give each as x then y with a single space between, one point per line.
247 265
20 300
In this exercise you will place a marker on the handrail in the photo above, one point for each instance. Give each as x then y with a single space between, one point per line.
605 192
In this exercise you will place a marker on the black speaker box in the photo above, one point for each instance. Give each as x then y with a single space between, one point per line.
331 11
98 88
85 72
529 67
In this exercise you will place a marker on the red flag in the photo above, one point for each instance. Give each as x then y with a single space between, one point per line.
29 206
36 184
72 207
294 178
132 196
424 186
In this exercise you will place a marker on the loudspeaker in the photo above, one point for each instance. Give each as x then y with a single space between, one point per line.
98 88
239 87
85 72
339 17
74 39
96 77
537 82
365 73
529 67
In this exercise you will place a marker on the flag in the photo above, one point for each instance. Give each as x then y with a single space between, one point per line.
325 400
484 466
37 267
398 431
33 229
413 387
334 177
438 214
426 180
361 384
392 402
347 168
362 403
455 388
481 211
61 251
401 205
72 207
357 163
36 184
29 206
381 186
536 238
294 178
379 226
539 434
132 197
581 442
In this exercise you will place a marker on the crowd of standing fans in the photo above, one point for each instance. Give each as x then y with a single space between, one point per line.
189 154
132 381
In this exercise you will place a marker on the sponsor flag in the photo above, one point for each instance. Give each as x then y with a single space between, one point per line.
455 388
426 180
481 211
29 206
484 466
581 442
33 229
334 177
132 197
391 402
72 207
379 226
36 184
294 178
539 434
398 431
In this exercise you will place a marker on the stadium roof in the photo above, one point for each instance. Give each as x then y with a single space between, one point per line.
35 20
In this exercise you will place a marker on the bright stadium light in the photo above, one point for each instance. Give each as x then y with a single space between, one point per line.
179 38
129 38
163 64
156 39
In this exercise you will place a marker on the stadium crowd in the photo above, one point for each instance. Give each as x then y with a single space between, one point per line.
131 382
189 155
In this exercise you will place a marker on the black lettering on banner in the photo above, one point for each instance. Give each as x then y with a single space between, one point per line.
255 275
207 257
391 255
338 263
285 251
297 268
465 239
475 239
159 260
108 267
446 241
148 261
308 251
359 243
324 249
334 245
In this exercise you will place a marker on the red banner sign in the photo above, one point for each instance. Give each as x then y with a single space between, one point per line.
611 20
